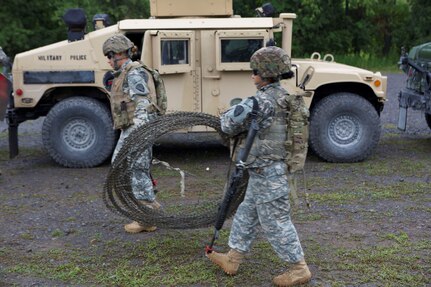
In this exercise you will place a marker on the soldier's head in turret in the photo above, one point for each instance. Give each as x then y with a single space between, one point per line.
118 49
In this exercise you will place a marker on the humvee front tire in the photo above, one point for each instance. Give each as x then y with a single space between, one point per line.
344 127
428 119
77 132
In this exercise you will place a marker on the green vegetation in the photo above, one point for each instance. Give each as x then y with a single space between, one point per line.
364 27
144 263
371 29
386 64
369 191
26 236
176 259
57 233
376 181
397 262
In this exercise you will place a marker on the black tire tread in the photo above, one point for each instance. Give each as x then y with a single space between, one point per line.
85 104
332 103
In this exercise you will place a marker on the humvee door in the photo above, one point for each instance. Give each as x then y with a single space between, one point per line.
204 69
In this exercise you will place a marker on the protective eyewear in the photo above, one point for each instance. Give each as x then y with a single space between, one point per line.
110 55
255 72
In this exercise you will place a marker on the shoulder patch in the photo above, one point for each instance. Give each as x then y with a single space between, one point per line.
140 87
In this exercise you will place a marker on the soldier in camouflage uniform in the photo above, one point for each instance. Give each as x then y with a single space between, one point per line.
131 106
266 201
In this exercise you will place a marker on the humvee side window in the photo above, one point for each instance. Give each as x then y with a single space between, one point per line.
235 47
239 50
174 52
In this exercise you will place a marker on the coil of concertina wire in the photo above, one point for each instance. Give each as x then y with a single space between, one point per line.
191 213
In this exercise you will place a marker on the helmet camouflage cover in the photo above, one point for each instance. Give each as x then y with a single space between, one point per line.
270 62
117 44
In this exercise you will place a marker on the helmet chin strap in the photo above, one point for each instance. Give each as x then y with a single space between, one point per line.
116 60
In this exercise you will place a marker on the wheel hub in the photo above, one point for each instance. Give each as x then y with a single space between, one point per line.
79 134
344 130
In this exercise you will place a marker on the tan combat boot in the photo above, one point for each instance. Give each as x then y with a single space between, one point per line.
297 274
136 227
229 262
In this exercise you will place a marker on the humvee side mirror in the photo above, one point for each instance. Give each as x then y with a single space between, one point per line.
308 74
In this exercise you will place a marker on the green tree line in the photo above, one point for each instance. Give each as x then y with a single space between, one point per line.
343 27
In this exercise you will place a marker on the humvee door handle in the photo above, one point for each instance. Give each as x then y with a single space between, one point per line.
212 77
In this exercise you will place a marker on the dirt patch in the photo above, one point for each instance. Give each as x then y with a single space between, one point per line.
368 225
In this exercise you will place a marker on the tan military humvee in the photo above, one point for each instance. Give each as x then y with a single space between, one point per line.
202 51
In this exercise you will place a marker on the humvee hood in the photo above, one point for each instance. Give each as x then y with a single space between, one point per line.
330 67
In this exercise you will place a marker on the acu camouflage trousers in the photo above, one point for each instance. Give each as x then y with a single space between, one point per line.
266 203
142 184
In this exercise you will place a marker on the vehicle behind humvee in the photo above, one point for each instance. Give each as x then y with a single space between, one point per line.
417 92
202 51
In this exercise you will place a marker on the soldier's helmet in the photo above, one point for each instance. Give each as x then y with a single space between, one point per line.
117 44
270 62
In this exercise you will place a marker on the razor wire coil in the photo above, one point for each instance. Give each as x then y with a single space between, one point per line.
117 192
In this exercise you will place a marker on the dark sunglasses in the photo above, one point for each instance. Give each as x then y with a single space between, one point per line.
255 72
110 55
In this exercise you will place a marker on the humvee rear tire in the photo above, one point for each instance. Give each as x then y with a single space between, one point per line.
77 132
344 127
428 119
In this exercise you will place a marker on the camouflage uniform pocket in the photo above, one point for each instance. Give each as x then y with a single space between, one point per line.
269 183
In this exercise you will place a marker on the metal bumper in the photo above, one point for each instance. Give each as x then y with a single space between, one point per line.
408 98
